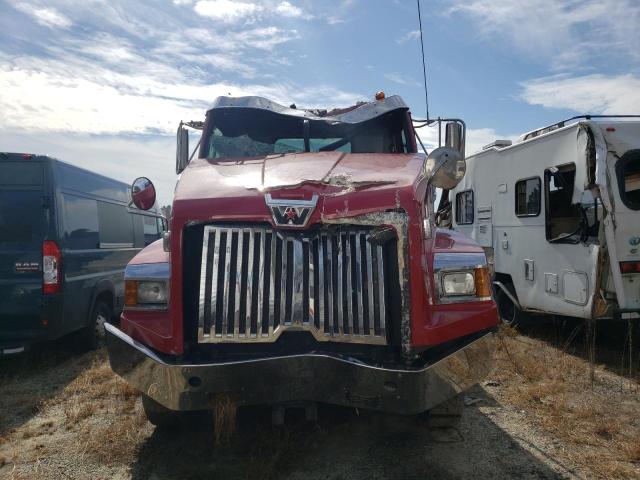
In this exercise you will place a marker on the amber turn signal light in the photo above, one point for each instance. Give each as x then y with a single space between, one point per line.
483 282
130 293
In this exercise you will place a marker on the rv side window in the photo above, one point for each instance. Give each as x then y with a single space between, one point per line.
464 207
528 197
563 218
628 169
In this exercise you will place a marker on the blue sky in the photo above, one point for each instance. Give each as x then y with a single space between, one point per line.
103 84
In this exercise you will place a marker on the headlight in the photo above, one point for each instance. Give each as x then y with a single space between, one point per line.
152 292
458 283
146 286
461 277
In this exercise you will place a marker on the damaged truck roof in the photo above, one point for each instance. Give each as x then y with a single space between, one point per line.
348 116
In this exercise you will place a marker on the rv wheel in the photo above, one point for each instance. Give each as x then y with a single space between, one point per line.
509 313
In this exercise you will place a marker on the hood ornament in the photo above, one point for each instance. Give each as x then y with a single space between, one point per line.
290 213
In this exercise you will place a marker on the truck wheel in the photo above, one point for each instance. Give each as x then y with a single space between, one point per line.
167 419
445 415
509 313
93 334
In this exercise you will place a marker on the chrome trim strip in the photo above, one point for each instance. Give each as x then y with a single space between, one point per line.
349 298
339 256
238 286
381 297
225 283
359 280
291 202
115 245
250 293
322 313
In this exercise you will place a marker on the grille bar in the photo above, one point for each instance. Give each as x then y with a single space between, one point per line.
256 283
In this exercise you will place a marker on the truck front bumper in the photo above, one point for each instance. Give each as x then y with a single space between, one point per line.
299 378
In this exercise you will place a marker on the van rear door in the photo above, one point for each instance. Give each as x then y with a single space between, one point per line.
22 231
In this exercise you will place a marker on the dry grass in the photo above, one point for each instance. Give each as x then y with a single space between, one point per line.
115 441
597 420
224 417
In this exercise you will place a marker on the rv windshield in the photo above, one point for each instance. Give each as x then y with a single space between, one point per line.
254 133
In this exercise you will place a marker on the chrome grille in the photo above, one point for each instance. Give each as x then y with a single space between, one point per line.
257 282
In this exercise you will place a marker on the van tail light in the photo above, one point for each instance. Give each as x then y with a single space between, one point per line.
629 267
51 280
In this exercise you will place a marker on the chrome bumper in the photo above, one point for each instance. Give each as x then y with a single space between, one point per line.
299 378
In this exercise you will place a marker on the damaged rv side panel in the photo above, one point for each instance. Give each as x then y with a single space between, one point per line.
548 210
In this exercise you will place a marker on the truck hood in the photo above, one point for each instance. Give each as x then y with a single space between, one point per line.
331 173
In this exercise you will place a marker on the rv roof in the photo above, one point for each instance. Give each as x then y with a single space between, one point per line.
572 120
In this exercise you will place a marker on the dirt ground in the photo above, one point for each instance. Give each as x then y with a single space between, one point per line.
539 415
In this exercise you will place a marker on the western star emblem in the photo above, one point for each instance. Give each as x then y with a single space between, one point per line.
290 213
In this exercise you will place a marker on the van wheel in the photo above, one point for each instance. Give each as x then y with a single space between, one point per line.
166 419
94 333
509 312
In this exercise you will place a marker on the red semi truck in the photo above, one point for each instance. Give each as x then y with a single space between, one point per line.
303 266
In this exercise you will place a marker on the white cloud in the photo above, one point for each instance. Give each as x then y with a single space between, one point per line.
565 34
286 9
79 96
401 79
412 35
47 16
598 94
227 11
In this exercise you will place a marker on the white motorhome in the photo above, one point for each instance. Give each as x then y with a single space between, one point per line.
559 212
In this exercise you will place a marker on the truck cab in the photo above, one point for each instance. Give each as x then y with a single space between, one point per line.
303 265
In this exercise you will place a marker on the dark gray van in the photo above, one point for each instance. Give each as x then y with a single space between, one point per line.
66 235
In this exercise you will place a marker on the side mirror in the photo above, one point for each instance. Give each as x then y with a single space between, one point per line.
182 148
143 193
445 167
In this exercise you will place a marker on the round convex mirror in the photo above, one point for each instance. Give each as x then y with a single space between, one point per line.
143 193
